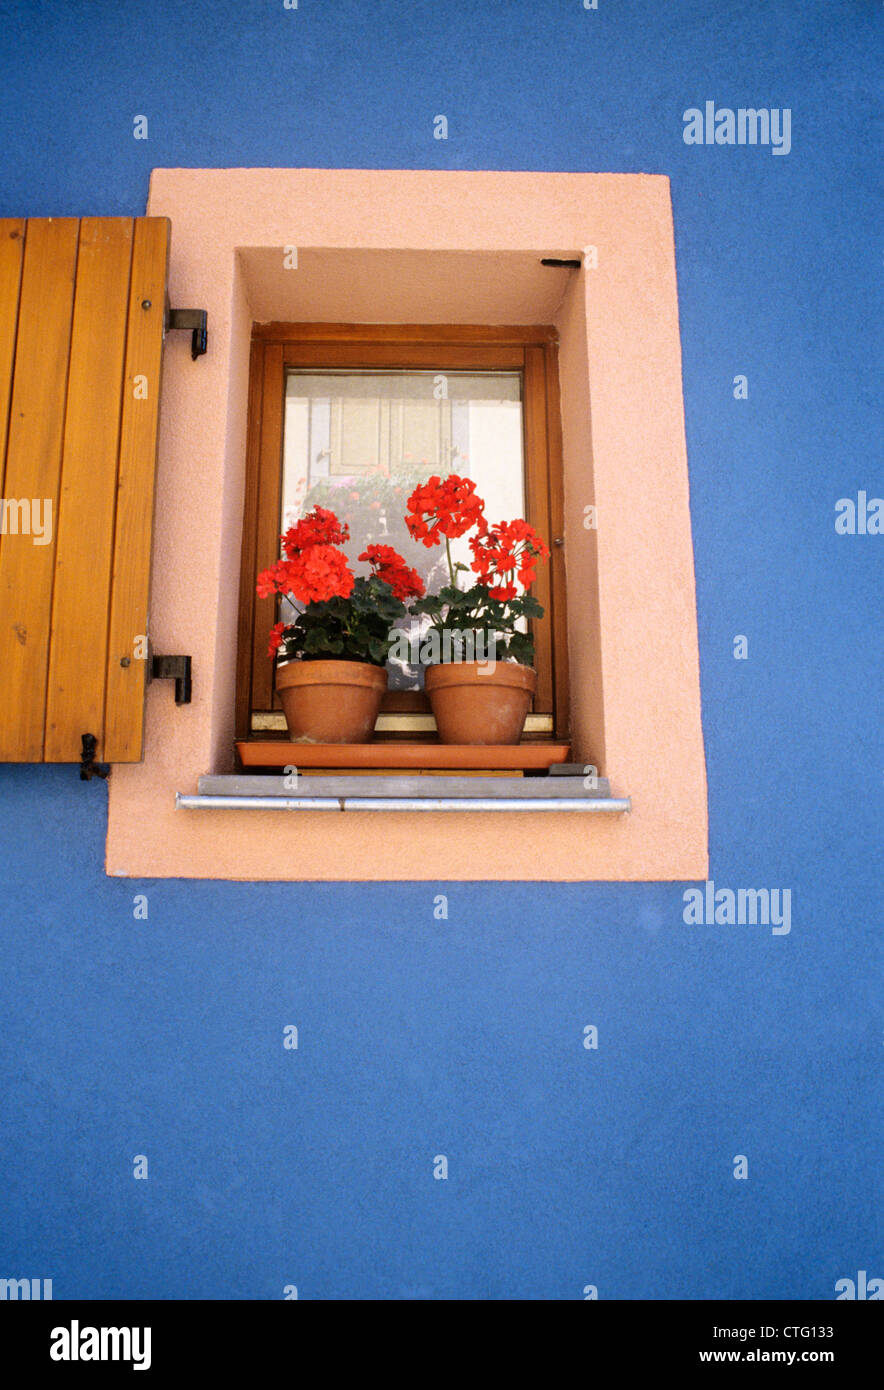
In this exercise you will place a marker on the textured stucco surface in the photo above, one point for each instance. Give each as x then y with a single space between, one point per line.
624 452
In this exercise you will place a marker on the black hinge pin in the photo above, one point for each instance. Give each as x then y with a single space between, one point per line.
89 768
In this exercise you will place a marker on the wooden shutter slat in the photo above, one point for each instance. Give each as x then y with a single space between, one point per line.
77 660
135 494
33 464
12 245
81 323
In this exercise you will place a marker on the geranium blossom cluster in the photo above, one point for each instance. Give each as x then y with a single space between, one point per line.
444 507
319 527
507 552
317 573
389 565
315 570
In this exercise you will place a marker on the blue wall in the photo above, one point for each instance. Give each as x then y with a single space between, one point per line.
568 1167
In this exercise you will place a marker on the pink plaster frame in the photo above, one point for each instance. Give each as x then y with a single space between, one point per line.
463 247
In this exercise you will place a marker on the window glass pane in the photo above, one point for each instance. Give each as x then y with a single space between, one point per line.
359 443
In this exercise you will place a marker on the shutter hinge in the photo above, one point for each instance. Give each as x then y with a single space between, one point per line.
195 319
89 768
177 669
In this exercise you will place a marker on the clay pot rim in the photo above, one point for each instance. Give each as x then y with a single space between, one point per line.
510 673
327 671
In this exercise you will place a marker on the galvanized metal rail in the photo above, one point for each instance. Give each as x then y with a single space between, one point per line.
406 793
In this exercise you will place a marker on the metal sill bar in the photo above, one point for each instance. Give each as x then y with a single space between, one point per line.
401 803
243 792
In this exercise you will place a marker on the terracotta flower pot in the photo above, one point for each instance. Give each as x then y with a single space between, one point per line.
471 707
331 701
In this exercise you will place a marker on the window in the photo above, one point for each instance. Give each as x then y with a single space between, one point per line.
452 247
352 418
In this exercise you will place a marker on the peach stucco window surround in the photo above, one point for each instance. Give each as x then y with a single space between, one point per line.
398 246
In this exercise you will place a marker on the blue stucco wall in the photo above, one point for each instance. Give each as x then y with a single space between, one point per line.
568 1167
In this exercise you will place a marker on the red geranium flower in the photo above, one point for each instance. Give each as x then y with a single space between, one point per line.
446 507
276 633
272 580
318 574
389 565
507 550
319 527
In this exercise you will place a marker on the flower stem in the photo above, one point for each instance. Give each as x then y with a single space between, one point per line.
452 576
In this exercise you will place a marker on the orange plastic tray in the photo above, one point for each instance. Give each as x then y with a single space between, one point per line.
269 753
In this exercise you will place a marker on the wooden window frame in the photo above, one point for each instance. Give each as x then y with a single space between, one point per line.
277 348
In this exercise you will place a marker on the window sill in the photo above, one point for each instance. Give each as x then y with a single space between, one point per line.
364 793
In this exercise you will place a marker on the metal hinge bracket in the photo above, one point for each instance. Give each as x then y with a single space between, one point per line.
195 319
176 668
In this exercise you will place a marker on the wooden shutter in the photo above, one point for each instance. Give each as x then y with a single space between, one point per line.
81 334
